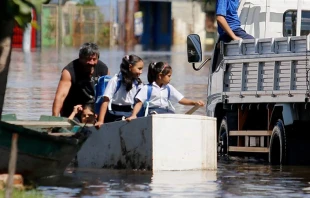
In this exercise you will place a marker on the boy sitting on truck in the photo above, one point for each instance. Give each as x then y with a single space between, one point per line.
229 26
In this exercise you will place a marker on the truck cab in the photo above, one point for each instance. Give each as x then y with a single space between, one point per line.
260 91
275 18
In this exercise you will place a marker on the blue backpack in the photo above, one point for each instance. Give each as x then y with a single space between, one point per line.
100 88
145 108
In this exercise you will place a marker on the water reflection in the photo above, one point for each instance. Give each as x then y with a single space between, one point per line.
184 183
262 180
233 179
135 183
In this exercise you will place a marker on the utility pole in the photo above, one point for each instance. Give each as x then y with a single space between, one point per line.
130 8
127 27
135 10
59 24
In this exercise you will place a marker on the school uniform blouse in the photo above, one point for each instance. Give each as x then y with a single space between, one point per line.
159 95
121 97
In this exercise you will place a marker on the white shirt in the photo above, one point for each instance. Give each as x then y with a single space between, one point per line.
159 95
121 97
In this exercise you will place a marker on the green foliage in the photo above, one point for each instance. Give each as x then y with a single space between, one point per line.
87 2
48 28
104 34
25 194
20 10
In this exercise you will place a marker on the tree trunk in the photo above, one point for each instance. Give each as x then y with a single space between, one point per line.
5 55
127 26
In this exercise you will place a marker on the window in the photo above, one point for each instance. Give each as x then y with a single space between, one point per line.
290 21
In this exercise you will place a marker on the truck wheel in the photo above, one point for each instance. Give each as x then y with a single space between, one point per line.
223 138
277 149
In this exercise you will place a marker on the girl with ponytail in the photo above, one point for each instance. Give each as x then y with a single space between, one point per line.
159 92
118 97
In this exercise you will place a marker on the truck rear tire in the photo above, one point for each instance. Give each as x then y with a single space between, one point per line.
223 138
278 145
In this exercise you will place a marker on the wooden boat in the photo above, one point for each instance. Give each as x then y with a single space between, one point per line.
45 147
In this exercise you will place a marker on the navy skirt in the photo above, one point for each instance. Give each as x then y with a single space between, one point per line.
117 113
160 111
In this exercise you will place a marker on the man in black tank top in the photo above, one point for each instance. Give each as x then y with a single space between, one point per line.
76 85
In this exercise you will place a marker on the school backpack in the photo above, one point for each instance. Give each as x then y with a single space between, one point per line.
100 88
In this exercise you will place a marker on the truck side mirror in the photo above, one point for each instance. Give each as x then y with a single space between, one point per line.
194 53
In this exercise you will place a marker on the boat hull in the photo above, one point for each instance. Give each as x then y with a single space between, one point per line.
39 154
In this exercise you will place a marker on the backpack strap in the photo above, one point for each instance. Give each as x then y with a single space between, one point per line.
149 91
146 102
118 85
168 88
169 102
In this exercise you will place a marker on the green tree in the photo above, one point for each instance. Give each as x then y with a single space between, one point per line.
11 11
87 2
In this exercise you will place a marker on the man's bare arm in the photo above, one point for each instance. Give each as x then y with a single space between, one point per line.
223 23
62 92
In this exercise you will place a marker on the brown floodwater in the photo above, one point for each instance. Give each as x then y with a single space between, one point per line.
32 83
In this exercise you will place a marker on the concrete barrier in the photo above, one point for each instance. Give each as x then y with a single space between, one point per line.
158 142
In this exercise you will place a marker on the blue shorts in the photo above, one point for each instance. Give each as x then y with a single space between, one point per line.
238 32
226 39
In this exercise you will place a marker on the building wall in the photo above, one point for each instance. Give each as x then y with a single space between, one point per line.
187 17
157 26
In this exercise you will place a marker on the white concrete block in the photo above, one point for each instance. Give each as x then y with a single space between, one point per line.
158 142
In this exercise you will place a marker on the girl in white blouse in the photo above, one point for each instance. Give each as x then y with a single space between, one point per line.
119 95
158 93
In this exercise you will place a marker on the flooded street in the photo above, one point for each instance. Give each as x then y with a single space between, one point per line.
32 83
232 179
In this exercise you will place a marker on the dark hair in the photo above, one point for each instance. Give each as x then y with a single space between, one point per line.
157 68
128 78
89 106
89 49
